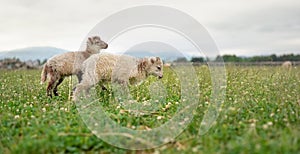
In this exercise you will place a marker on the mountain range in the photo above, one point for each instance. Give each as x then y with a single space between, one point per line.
32 53
42 53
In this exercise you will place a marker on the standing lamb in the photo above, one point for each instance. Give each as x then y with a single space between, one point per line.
287 65
120 69
69 63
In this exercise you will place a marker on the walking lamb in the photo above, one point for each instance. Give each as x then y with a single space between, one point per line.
69 63
120 69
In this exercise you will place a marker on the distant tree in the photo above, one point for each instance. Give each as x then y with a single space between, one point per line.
39 62
181 60
44 61
273 57
289 57
219 58
260 58
197 59
230 58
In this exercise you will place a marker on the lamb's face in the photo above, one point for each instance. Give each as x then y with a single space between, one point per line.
96 44
155 67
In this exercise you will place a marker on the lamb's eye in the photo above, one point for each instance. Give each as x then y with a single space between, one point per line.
158 67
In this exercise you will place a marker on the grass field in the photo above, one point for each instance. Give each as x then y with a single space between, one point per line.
260 115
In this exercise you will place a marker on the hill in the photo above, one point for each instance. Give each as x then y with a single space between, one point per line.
32 53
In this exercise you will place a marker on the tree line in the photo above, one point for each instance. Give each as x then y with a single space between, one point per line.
234 58
273 57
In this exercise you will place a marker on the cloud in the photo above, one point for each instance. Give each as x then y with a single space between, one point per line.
265 30
238 26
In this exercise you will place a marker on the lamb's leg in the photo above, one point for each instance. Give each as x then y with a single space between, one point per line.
88 80
103 88
81 90
50 86
57 84
83 87
101 83
121 90
79 77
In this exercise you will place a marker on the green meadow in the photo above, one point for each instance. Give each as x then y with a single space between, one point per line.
260 114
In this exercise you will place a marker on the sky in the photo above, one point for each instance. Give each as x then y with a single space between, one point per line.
240 27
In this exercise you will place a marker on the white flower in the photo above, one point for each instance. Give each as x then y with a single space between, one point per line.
167 106
17 116
232 108
159 117
44 109
195 149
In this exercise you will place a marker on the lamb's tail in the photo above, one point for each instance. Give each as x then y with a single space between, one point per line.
44 73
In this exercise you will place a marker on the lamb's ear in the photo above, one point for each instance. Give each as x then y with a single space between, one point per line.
157 59
152 60
90 40
96 38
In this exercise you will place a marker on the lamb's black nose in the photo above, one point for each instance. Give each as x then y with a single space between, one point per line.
160 76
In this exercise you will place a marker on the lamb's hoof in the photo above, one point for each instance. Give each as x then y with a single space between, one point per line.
49 95
56 94
104 88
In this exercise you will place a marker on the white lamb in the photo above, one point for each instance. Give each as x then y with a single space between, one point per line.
66 64
287 65
120 69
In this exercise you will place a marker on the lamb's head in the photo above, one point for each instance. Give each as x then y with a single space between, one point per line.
95 44
154 67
